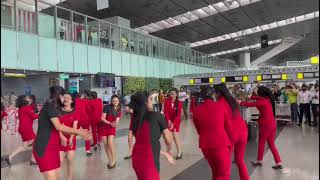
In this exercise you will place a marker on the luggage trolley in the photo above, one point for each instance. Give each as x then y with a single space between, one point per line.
283 111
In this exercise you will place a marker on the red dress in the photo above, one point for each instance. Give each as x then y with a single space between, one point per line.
26 117
46 147
192 104
112 115
171 114
96 107
68 119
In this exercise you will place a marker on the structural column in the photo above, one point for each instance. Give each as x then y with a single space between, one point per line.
244 60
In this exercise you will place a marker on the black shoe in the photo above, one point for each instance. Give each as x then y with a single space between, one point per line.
255 164
279 166
89 154
33 163
179 157
299 124
111 167
95 148
8 161
127 157
306 122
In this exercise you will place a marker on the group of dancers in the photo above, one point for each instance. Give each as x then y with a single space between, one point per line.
218 122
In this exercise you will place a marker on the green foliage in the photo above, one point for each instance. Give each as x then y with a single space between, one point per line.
136 84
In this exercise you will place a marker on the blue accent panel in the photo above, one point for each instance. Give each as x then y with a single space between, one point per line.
142 66
48 54
105 56
80 58
65 56
134 65
93 59
149 66
116 62
126 61
28 51
8 49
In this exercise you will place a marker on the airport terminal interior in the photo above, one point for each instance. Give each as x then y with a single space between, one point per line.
159 89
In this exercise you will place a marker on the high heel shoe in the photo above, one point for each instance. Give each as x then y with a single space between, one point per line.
111 167
277 166
33 163
255 164
127 157
179 157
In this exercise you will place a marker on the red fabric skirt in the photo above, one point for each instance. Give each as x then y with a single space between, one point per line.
49 161
27 134
68 148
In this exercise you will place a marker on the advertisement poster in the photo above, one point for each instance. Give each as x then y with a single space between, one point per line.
73 85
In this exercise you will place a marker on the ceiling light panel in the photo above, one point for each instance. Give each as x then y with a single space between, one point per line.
220 6
200 13
316 14
299 18
309 16
182 19
155 27
172 21
164 24
282 23
190 16
291 20
273 25
232 4
264 27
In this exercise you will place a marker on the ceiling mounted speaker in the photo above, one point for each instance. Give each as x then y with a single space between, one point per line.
264 41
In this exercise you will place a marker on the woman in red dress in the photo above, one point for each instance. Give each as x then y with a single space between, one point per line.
172 113
148 126
46 146
85 109
68 142
109 121
26 117
96 111
3 113
239 132
210 120
267 125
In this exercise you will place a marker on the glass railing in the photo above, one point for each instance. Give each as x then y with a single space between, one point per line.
52 21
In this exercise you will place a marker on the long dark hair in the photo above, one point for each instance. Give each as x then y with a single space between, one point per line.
21 101
138 104
265 92
94 94
222 90
55 92
34 102
176 102
206 92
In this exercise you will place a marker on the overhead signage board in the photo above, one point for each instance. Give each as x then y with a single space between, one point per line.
266 77
63 76
276 76
259 78
308 75
316 74
284 76
300 76
204 80
314 60
197 81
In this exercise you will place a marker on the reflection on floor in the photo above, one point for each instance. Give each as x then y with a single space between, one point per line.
298 147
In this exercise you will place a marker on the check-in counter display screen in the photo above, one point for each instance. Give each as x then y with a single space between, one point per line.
266 77
308 75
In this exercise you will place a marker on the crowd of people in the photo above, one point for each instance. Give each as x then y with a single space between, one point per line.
216 112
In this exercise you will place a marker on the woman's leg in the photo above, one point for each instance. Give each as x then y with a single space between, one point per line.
130 142
177 142
52 175
239 152
263 136
62 157
25 146
106 148
70 159
112 150
273 147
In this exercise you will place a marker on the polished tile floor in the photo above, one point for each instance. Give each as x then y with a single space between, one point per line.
298 146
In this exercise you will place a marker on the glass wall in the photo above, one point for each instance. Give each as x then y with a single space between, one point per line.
56 22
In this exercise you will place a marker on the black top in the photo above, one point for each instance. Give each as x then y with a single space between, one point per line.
45 126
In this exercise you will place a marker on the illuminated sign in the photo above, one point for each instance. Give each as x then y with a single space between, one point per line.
238 78
191 81
300 76
211 80
314 60
245 78
266 77
276 76
259 78
284 76
223 79
17 75
197 81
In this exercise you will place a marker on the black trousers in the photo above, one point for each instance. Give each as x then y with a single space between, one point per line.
305 110
315 112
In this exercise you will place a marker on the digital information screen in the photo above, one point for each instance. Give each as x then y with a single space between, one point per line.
197 81
308 75
204 80
316 74
276 76
238 78
266 77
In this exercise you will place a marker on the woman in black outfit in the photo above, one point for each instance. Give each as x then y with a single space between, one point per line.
47 143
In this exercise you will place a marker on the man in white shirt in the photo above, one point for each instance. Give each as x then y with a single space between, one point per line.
155 100
315 104
184 98
304 99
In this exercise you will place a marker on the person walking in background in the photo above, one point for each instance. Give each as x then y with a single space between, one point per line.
183 98
155 100
304 99
90 36
62 30
26 116
292 94
315 104
161 100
